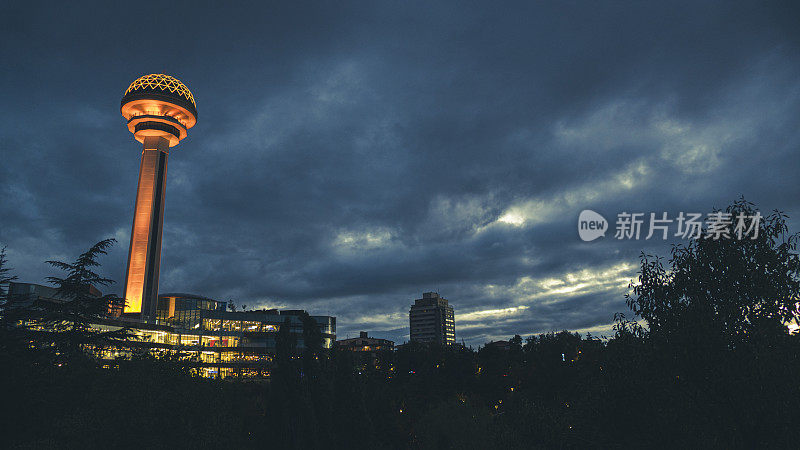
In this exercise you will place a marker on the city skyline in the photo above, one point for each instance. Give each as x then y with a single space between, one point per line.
352 158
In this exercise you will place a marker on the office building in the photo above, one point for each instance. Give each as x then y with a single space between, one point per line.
432 320
222 343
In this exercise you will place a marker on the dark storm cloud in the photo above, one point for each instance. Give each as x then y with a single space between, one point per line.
350 156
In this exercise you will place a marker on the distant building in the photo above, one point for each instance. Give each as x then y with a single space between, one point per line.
26 294
364 343
432 320
29 294
499 345
367 351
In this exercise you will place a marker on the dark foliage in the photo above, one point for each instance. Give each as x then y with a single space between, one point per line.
5 276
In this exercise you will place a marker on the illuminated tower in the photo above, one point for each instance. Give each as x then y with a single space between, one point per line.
159 110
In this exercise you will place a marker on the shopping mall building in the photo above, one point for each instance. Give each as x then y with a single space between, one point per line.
224 343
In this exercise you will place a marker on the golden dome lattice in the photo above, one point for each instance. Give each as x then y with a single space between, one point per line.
164 83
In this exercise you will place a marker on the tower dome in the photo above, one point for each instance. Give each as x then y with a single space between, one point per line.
159 105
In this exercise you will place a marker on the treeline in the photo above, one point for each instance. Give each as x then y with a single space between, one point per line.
557 390
704 360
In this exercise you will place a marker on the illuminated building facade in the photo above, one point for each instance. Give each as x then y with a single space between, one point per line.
225 343
222 343
159 110
432 320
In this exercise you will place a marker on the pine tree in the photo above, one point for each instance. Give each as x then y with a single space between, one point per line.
80 304
5 276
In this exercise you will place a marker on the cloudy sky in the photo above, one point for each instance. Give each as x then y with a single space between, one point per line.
350 156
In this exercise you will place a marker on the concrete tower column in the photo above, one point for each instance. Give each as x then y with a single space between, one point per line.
144 255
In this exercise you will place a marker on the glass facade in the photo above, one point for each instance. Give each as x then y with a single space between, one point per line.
184 310
224 343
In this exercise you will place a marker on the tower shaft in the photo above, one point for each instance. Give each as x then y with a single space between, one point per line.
144 255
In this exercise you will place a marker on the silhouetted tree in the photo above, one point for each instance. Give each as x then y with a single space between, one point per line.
81 305
7 318
710 338
285 349
515 343
5 276
312 345
67 319
723 290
